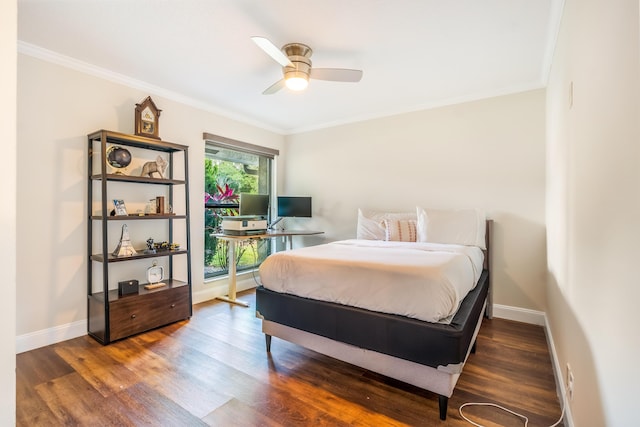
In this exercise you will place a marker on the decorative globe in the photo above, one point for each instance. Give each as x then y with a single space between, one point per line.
118 157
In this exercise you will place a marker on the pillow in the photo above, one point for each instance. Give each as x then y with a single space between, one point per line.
461 227
369 228
400 230
371 223
422 223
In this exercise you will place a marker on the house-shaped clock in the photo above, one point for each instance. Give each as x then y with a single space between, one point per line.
147 118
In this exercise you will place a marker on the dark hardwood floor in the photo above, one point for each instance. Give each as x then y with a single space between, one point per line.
213 370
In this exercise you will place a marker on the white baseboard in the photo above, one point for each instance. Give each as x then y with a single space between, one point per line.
50 336
517 314
559 375
220 288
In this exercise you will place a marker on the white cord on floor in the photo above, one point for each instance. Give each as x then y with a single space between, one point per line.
255 264
526 420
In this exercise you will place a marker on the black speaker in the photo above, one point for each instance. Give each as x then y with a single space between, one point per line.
127 287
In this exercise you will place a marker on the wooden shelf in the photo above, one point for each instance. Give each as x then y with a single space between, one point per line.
113 294
134 217
139 255
137 141
137 179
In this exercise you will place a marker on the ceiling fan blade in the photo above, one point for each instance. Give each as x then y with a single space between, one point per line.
274 87
272 51
336 74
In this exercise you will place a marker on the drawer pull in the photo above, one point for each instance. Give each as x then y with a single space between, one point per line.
133 316
173 305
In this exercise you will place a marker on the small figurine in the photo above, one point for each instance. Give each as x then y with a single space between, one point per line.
162 246
150 249
124 247
159 167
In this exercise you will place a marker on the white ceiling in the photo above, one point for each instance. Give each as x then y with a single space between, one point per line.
415 54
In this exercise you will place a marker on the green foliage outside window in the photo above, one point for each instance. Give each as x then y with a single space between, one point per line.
224 181
220 172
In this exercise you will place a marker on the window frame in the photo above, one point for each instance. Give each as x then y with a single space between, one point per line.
216 141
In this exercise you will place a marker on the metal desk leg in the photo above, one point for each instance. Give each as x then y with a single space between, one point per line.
231 257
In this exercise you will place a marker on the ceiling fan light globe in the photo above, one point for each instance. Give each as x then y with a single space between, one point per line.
297 83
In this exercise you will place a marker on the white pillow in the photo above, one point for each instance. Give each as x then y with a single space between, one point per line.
461 227
400 230
422 224
371 223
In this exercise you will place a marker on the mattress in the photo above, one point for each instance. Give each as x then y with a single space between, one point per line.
424 281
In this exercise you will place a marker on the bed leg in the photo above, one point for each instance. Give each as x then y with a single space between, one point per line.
267 339
443 402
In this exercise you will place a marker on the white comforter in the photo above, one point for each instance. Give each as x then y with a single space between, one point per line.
425 281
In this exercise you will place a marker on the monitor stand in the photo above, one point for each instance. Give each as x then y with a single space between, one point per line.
274 223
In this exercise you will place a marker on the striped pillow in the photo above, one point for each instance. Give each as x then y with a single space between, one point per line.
400 230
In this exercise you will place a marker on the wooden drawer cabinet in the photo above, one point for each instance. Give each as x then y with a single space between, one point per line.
139 313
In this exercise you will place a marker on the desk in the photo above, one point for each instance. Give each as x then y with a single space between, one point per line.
231 254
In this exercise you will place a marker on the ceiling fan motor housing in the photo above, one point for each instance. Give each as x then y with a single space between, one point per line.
299 54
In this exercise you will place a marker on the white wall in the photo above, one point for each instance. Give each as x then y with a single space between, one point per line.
593 207
57 108
487 154
8 54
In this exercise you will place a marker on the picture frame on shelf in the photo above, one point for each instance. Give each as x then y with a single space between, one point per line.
119 207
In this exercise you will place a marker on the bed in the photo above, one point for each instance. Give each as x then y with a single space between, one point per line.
429 354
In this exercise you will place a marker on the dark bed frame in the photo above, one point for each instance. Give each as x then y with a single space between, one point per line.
428 355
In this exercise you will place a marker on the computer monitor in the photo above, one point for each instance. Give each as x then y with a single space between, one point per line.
254 204
294 206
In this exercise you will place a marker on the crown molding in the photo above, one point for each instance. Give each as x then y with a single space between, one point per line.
93 70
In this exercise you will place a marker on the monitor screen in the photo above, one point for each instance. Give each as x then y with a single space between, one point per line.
294 206
254 204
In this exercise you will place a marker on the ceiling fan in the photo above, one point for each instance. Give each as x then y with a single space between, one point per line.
297 69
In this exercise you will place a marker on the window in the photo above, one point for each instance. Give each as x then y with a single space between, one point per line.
232 167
